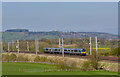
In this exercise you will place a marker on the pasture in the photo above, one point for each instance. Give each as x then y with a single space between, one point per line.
10 68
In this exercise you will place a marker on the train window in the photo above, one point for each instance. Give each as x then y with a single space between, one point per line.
75 51
52 49
72 50
49 50
65 50
68 50
83 50
55 49
46 49
58 50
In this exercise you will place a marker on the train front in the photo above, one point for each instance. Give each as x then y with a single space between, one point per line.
83 52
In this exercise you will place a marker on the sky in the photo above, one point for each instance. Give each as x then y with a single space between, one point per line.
61 16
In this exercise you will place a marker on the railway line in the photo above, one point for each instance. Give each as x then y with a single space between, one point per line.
104 58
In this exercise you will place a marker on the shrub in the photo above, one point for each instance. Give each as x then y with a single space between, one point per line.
64 66
37 59
26 58
43 59
73 65
93 61
12 57
51 60
105 53
115 51
40 59
87 66
20 58
5 57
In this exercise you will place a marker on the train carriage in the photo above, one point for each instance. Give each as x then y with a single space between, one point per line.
66 51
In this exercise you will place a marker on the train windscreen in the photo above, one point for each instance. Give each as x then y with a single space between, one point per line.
83 50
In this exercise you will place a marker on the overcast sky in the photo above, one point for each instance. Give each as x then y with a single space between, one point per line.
64 16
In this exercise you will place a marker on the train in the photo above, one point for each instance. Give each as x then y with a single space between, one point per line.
74 51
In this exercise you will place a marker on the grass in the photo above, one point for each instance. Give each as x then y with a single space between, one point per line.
44 69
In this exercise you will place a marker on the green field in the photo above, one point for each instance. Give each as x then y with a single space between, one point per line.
44 69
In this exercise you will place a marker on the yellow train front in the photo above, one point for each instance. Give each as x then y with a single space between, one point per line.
66 51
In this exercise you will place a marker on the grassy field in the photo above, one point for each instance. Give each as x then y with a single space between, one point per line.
44 69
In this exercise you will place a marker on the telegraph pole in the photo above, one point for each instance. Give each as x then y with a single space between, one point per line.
8 46
62 48
59 43
1 47
12 45
96 47
36 45
18 46
90 47
27 46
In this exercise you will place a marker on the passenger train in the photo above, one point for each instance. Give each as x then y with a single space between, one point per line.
66 51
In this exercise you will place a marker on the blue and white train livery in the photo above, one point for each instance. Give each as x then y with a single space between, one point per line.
66 51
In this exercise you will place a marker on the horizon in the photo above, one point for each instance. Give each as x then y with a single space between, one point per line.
58 31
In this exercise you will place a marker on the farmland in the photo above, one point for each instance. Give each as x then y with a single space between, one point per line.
31 60
44 69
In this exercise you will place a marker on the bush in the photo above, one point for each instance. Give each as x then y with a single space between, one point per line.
20 58
40 59
87 66
73 65
5 57
37 59
43 59
105 53
26 58
93 61
115 51
64 66
51 60
12 57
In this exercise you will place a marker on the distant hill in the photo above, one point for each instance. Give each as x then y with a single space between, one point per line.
24 34
17 30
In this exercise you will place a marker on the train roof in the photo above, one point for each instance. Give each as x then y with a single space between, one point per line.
65 48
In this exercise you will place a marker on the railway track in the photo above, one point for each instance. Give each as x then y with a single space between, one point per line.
104 58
